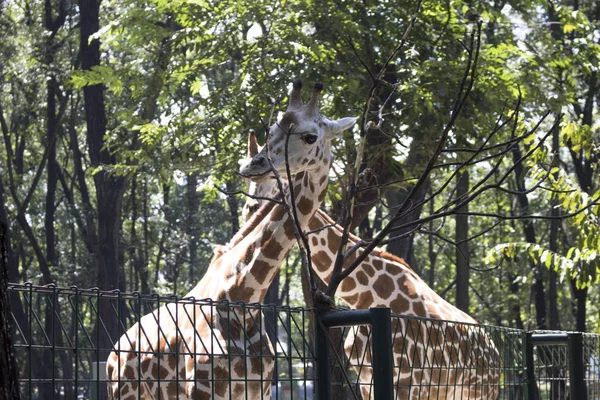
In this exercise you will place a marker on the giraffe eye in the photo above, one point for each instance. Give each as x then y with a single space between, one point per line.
309 138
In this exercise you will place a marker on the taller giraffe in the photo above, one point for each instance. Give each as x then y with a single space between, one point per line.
432 361
196 351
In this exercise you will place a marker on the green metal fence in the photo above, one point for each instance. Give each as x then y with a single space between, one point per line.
63 337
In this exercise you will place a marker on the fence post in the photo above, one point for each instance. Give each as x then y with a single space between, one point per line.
531 388
576 365
383 361
322 358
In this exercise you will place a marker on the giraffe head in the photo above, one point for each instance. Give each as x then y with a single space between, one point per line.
305 131
258 191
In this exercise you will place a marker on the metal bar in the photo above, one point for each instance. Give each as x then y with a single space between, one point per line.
383 361
576 366
347 318
322 358
549 339
531 387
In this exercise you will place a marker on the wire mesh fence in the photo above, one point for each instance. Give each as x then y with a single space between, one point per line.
436 359
591 351
65 336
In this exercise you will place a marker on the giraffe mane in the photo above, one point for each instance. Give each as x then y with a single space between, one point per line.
376 251
248 227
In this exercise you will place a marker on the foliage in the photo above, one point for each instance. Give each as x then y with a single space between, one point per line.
185 80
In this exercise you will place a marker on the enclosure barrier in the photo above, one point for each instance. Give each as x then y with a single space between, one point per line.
63 337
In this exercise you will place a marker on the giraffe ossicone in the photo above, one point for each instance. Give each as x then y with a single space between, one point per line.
432 360
191 350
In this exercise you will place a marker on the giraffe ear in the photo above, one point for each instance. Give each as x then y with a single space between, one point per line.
338 126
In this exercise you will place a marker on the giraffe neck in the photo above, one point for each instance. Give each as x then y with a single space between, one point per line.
245 268
381 280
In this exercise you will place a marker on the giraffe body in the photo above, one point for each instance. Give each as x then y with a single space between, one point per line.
192 351
432 360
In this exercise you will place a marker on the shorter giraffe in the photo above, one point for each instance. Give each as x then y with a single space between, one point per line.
449 359
204 350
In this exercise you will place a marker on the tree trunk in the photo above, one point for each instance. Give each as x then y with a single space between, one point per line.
140 265
110 188
530 237
9 384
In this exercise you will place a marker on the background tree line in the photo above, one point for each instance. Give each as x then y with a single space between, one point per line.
123 123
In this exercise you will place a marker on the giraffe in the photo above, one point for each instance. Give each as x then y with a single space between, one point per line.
207 350
384 280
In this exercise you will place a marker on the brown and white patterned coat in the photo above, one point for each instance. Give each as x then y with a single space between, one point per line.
433 360
189 351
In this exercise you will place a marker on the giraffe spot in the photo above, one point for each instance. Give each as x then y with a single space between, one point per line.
377 264
419 309
198 394
249 254
255 365
351 299
322 180
129 373
312 162
322 261
251 330
254 390
145 366
313 224
233 331
391 269
221 376
315 241
305 205
125 390
365 299
288 229
322 195
172 361
383 286
260 270
362 277
348 284
399 305
278 213
271 249
163 371
323 242
333 240
239 368
368 269
240 293
263 294
238 390
407 286
172 389
202 375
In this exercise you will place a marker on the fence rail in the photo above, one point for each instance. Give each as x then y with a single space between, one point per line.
63 338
